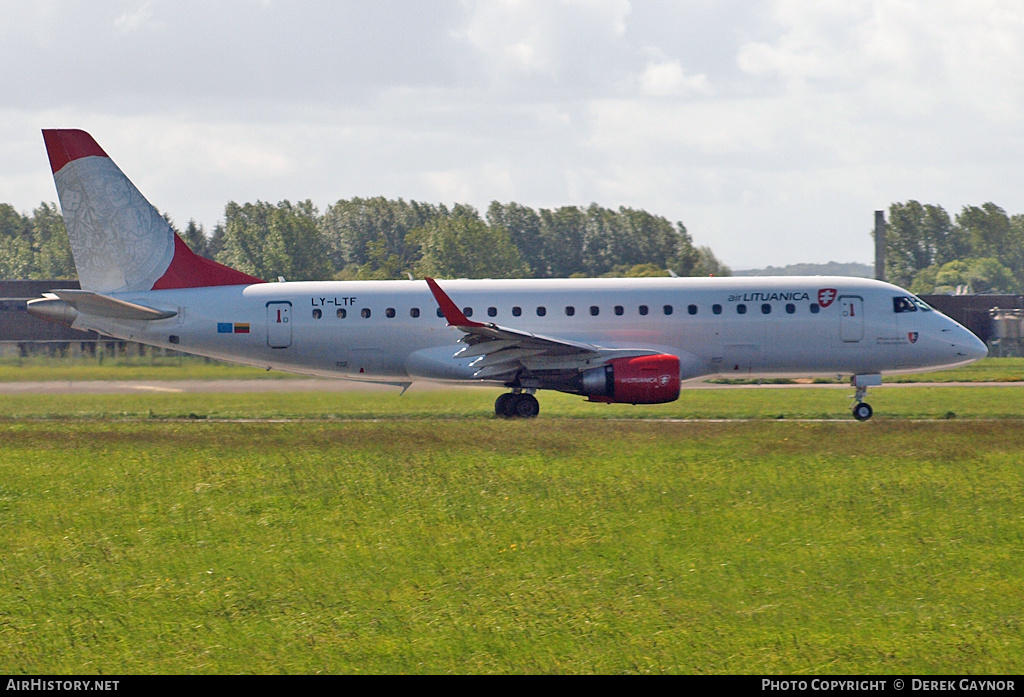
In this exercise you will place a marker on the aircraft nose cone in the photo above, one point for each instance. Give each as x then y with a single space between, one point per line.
976 348
971 347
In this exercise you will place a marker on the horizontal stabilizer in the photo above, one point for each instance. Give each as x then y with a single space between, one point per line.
90 303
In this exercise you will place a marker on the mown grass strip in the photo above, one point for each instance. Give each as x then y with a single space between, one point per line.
560 546
124 367
746 403
182 367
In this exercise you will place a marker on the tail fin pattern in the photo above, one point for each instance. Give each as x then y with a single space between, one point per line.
119 241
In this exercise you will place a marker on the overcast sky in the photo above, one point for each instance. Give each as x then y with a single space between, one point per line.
771 128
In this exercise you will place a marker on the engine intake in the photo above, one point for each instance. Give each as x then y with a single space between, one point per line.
637 380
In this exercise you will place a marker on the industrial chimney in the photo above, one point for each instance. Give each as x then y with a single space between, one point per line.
880 245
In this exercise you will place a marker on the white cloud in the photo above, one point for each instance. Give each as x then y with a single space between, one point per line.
552 37
772 129
669 79
134 19
641 129
913 58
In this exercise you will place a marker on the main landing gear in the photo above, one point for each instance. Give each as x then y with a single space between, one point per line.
862 411
517 405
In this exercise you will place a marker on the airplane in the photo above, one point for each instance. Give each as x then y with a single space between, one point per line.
629 340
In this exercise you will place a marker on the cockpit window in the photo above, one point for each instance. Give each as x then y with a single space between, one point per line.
910 304
902 304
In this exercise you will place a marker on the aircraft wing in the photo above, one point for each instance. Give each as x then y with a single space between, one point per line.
501 351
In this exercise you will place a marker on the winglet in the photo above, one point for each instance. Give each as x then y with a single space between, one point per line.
451 311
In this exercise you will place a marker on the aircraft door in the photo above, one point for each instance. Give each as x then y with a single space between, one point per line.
851 322
279 324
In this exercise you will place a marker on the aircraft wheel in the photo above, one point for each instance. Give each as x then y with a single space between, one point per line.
504 405
862 411
527 406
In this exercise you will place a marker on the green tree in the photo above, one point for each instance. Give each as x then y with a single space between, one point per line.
464 246
523 225
918 236
647 270
651 239
53 257
360 232
268 241
195 237
215 243
708 264
975 275
987 275
926 281
562 232
16 254
382 264
992 234
686 258
987 230
605 241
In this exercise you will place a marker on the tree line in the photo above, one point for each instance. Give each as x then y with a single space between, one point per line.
980 250
380 238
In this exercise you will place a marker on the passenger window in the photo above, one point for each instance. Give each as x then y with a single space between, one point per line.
541 311
342 313
619 310
318 313
414 312
741 309
692 309
766 309
643 309
594 310
440 313
815 309
467 311
903 305
790 308
717 309
517 311
570 310
365 312
667 309
389 313
492 312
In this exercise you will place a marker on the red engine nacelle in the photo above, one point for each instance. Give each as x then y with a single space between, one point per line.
637 380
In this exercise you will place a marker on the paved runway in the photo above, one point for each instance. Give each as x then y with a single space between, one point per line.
313 385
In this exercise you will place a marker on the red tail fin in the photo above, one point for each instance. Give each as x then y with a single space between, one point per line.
189 270
119 241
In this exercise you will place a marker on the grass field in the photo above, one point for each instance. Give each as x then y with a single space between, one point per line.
181 367
103 367
930 402
422 535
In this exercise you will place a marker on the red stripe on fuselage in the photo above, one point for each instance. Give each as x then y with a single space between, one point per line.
67 145
189 270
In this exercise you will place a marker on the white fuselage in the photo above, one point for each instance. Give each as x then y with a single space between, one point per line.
392 331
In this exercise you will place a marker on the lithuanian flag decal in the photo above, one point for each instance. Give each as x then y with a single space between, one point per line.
232 328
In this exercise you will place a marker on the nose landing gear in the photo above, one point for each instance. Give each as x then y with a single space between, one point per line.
517 405
862 411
